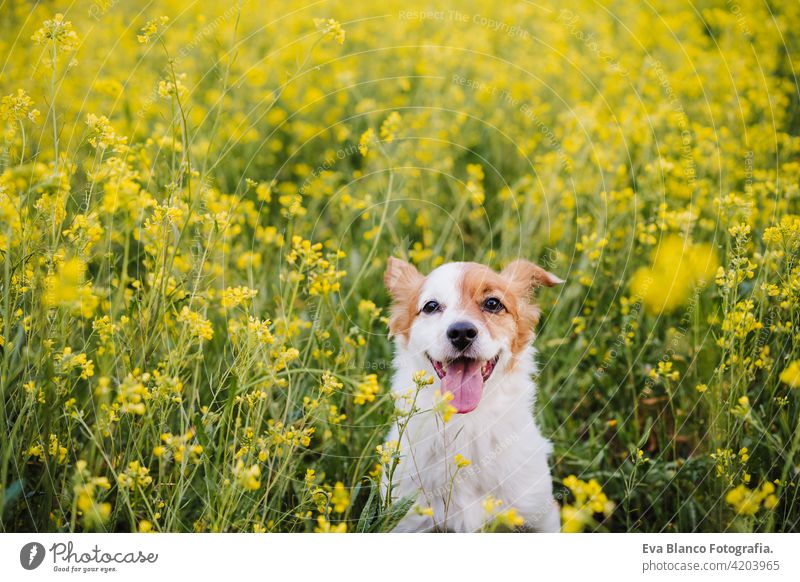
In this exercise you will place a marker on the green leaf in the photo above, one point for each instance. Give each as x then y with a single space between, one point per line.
396 513
370 509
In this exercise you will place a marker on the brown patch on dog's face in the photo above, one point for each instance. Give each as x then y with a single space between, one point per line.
404 283
513 288
513 321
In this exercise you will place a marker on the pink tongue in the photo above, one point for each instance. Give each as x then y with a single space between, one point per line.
465 382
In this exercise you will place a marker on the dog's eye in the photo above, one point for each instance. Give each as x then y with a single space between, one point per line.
493 305
430 307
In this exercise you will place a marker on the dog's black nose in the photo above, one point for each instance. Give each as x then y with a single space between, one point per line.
461 334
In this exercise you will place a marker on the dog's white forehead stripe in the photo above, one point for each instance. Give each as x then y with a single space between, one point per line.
443 285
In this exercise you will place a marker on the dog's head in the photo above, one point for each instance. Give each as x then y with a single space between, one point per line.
464 320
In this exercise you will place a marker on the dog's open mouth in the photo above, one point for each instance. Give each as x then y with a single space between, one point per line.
464 379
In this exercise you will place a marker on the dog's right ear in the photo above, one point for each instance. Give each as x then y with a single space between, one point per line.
403 282
401 278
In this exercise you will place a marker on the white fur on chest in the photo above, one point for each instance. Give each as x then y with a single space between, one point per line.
507 452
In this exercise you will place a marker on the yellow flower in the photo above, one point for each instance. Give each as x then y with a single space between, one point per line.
422 379
309 263
329 384
102 134
461 462
133 393
742 408
442 406
135 475
366 389
86 490
197 325
678 267
739 231
589 500
340 498
491 504
68 361
56 451
387 451
235 296
259 328
748 502
368 309
325 526
330 28
475 190
390 127
427 511
63 287
247 478
58 32
18 107
741 320
574 520
365 141
509 518
150 29
791 375
172 87
664 370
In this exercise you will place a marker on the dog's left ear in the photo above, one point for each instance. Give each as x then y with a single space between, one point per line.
528 276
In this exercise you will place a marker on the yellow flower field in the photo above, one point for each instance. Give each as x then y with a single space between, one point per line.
198 200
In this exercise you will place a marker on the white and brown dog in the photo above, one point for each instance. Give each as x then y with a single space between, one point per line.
471 328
